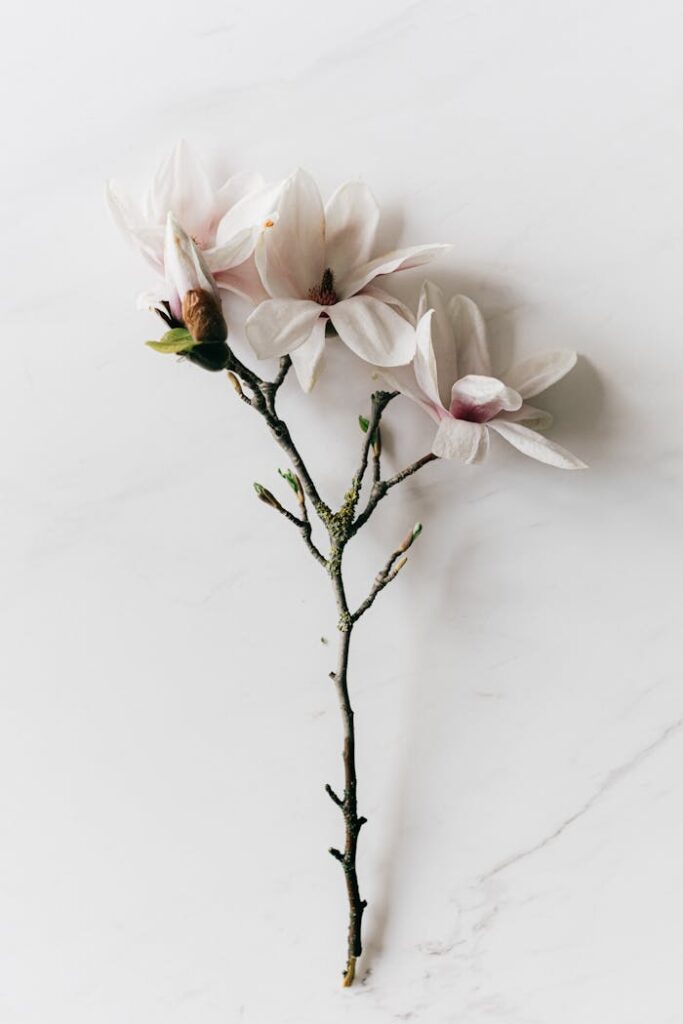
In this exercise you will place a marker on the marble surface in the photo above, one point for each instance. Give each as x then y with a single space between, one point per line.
167 723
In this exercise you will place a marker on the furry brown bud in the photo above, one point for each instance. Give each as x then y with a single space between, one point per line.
203 316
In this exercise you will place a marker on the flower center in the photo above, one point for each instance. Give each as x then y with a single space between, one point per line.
324 293
474 413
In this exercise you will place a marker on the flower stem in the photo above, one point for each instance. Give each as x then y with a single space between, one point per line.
349 807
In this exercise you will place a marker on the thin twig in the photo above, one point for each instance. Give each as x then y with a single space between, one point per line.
303 525
285 364
395 563
263 401
382 487
377 457
349 805
380 401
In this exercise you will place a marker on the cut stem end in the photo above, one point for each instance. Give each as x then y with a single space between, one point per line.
350 973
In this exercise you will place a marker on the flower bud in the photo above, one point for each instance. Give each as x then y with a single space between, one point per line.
194 300
194 297
411 536
203 316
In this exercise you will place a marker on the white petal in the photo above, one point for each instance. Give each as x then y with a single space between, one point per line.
232 253
399 259
306 358
442 341
235 188
148 240
373 330
351 219
279 326
402 378
391 300
537 373
470 337
481 398
252 211
424 362
535 419
458 439
184 265
536 446
243 280
182 187
150 299
290 253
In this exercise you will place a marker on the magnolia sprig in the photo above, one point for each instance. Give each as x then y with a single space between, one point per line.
306 266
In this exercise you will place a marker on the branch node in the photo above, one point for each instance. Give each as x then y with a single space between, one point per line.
337 854
333 796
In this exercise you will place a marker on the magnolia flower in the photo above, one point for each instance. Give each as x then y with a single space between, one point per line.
450 377
224 222
316 264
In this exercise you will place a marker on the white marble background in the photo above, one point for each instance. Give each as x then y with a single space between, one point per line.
167 724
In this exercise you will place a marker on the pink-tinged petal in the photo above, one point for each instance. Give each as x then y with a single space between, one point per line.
537 373
148 240
462 441
536 446
391 300
443 345
243 280
291 250
535 419
306 359
470 337
232 253
424 362
373 330
279 326
478 399
351 218
182 187
252 212
399 259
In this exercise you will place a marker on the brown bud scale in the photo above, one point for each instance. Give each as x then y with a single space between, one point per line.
203 316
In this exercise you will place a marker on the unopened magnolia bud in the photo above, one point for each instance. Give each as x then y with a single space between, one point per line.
235 383
377 444
410 537
399 566
266 497
203 316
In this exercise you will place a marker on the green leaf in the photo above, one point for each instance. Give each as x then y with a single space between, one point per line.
174 341
363 423
290 478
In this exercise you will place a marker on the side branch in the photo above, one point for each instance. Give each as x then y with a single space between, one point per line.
397 560
381 487
262 399
380 401
303 524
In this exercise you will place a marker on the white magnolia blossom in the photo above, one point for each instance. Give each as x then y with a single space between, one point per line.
317 265
224 221
450 377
